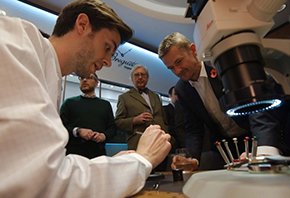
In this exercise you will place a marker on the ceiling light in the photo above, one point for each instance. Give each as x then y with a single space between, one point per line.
2 13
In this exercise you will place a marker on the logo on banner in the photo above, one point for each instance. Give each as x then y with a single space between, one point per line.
123 54
119 58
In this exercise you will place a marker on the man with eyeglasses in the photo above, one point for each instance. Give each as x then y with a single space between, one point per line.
139 107
88 119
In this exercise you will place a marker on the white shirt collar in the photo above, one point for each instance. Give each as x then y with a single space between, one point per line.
202 75
89 96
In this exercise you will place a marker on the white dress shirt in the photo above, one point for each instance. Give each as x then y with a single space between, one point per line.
147 99
32 137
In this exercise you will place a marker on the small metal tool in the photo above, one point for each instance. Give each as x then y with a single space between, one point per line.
223 154
237 148
228 150
254 148
155 186
246 141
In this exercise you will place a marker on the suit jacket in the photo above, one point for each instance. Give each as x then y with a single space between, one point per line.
131 104
272 128
176 126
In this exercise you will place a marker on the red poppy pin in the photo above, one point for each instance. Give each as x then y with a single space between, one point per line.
213 73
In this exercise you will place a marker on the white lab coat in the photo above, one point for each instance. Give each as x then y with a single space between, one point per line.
32 137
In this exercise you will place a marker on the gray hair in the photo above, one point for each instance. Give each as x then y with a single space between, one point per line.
137 67
173 39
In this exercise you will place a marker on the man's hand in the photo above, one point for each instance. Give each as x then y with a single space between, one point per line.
177 160
86 134
154 145
142 118
89 134
124 153
98 137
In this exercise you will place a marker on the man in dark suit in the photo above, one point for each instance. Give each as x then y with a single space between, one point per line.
138 108
198 90
175 119
88 119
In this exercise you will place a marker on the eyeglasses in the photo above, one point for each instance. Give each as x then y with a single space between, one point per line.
142 75
90 77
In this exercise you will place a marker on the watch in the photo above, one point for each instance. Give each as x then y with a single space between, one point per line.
76 131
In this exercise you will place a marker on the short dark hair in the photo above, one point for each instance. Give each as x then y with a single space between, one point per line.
99 14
